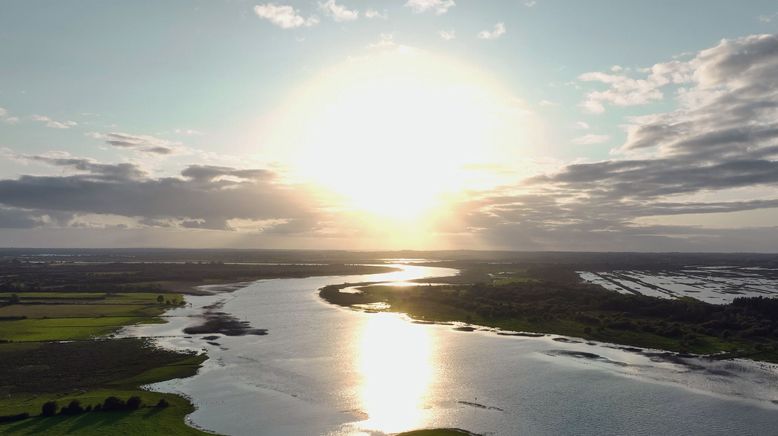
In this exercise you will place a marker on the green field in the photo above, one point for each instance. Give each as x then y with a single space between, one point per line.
52 316
34 370
147 420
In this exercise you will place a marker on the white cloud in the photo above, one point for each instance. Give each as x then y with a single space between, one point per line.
439 7
582 125
547 103
5 118
496 32
590 139
530 3
386 40
448 35
284 16
187 132
623 90
372 13
767 18
338 12
53 123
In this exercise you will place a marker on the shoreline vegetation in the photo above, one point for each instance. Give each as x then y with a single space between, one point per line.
531 303
61 370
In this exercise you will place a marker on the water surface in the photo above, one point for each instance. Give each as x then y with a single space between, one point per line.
328 370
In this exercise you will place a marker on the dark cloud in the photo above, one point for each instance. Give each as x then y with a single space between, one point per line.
94 170
203 197
17 219
144 143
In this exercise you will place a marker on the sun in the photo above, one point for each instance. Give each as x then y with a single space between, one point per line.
395 134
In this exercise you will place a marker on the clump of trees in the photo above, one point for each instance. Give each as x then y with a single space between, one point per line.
110 404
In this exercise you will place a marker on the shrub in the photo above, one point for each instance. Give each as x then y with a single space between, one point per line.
49 408
162 403
13 418
73 408
134 402
112 404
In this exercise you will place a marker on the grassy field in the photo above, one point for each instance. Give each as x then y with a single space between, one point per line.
51 316
34 369
90 371
145 421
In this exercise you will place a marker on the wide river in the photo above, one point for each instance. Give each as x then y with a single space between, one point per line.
326 370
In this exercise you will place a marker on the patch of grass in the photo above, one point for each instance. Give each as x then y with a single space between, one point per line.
60 329
145 421
84 365
52 316
90 371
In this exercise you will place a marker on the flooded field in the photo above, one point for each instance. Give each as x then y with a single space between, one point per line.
718 285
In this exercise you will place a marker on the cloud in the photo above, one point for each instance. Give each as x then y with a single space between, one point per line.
53 123
715 153
447 35
372 13
530 3
91 169
767 18
385 40
188 132
590 139
624 90
495 33
6 118
12 218
439 7
284 16
338 12
143 143
201 197
582 125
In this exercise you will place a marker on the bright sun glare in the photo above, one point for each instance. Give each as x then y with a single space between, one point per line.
395 363
397 133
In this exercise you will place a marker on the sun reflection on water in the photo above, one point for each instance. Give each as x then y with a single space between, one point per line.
395 364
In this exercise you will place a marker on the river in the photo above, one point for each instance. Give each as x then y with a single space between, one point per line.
326 370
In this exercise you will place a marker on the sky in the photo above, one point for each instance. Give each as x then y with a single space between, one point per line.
397 124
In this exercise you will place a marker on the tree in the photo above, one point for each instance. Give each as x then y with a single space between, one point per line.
112 404
73 408
162 403
134 402
49 408
160 299
14 299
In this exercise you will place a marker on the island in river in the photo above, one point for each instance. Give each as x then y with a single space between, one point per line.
552 300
